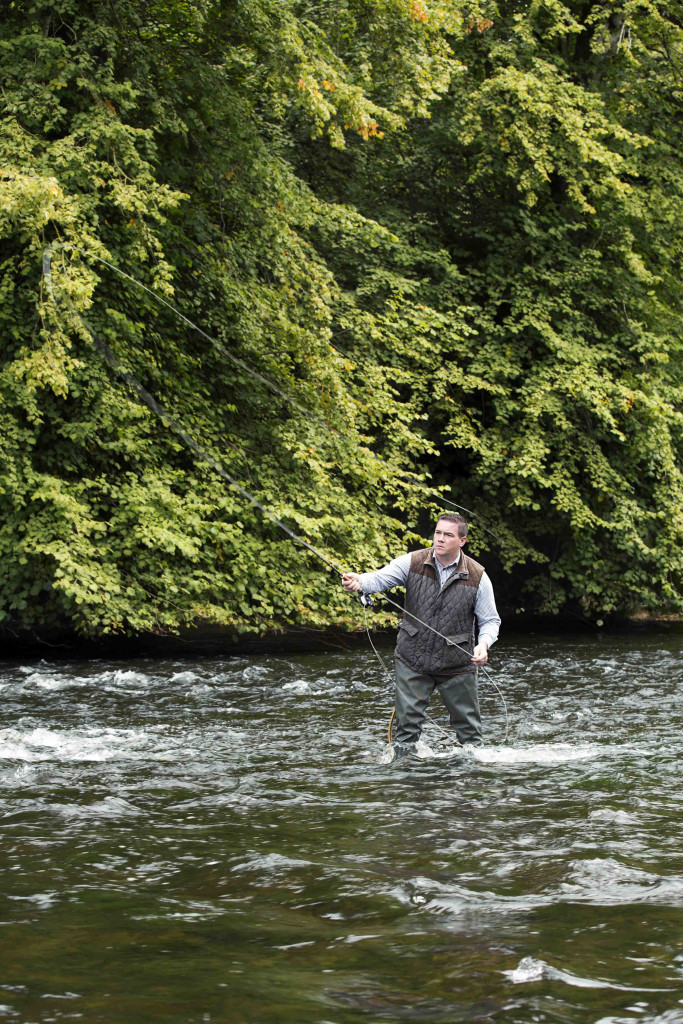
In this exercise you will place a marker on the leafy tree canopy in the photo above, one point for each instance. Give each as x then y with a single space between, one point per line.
428 247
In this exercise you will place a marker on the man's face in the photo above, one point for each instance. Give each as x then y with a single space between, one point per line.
447 543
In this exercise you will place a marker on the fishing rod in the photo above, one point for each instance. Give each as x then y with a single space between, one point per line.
131 381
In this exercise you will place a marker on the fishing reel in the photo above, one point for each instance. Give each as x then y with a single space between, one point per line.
366 600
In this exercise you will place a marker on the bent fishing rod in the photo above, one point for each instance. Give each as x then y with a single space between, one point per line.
147 399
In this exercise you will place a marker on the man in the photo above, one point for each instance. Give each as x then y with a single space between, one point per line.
447 590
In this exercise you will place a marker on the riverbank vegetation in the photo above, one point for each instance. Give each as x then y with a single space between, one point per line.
434 248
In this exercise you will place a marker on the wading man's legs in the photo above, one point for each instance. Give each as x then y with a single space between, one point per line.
462 700
459 694
413 690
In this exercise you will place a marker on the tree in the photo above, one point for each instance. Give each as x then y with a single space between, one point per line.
419 240
531 306
154 136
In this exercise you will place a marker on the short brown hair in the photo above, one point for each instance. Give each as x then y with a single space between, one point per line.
455 517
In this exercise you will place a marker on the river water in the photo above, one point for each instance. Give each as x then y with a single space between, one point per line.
217 840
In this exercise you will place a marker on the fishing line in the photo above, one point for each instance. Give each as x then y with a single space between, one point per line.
431 494
275 388
364 602
113 361
217 344
469 511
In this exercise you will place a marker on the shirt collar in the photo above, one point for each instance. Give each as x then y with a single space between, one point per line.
451 565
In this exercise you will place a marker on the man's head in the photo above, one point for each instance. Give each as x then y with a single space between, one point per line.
454 517
450 534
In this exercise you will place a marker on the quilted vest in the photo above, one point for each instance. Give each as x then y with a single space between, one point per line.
450 610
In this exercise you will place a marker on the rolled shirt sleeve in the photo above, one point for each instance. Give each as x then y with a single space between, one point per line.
395 574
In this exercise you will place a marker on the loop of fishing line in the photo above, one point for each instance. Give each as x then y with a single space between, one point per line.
450 643
112 360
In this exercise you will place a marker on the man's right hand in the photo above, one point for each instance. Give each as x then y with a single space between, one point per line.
351 582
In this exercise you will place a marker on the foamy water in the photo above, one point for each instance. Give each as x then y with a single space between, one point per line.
231 839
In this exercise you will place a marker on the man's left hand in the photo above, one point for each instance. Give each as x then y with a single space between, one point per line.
480 655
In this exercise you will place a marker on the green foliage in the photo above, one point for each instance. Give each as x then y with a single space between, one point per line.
449 237
528 307
156 138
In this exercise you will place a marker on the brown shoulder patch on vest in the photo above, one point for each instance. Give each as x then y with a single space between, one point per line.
418 563
475 570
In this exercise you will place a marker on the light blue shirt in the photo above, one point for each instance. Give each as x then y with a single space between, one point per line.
395 574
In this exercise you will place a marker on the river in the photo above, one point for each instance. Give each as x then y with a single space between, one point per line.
218 840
